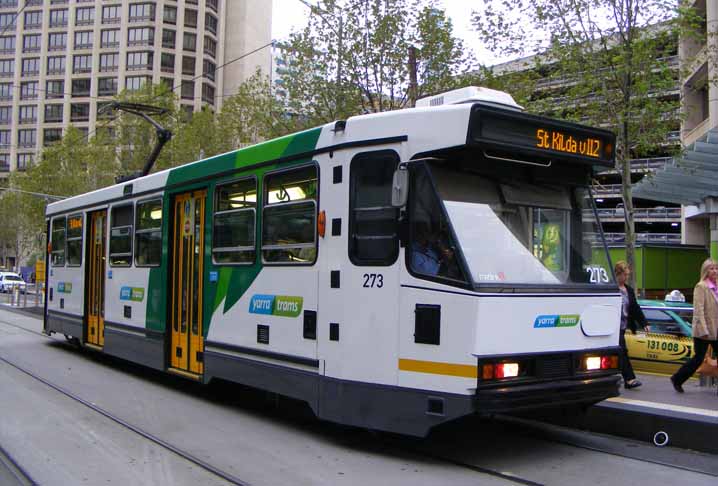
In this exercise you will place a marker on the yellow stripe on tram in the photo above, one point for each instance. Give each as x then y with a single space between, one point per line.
437 368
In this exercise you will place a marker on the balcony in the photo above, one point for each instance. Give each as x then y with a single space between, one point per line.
672 62
644 165
657 214
613 238
606 190
139 67
141 18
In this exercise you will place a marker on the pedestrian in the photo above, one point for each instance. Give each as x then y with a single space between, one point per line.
630 313
705 322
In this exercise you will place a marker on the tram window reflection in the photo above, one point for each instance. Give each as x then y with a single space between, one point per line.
74 241
121 236
58 242
148 233
233 235
289 217
433 249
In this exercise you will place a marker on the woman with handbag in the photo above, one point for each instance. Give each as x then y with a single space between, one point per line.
705 322
630 314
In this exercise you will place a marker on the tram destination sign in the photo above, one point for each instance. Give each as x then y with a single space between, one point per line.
509 131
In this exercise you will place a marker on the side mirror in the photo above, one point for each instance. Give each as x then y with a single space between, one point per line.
400 187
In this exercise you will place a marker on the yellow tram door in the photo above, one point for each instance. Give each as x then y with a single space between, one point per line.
95 301
187 343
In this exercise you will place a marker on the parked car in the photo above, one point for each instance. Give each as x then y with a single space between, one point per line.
8 280
667 342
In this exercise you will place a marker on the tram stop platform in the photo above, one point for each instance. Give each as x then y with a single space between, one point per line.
655 413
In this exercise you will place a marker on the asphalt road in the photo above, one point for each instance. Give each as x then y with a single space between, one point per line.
254 437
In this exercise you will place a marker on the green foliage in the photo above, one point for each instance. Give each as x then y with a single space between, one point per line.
442 58
135 138
608 65
69 167
609 61
352 57
76 165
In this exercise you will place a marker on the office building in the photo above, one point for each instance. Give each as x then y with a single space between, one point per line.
60 60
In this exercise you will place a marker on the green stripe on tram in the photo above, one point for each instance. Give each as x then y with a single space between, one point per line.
232 282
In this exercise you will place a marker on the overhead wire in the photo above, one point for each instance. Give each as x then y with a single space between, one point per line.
202 74
172 89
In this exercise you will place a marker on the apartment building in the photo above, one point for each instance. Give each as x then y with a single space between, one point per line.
655 221
60 60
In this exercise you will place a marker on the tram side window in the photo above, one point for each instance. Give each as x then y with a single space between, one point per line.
58 242
290 217
121 236
74 241
148 233
233 235
433 248
373 222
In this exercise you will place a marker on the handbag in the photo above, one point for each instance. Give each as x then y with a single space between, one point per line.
709 366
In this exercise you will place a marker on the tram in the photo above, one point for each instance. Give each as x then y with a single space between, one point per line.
395 271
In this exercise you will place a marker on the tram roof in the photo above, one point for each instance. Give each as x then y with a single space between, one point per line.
416 126
375 129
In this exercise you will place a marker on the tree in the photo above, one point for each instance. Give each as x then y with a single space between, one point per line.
69 167
254 113
15 233
611 58
352 57
250 115
135 138
442 59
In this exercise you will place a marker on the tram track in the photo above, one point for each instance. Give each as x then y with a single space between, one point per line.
11 469
231 479
222 474
531 428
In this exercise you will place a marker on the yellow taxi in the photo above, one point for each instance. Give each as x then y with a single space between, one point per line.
667 342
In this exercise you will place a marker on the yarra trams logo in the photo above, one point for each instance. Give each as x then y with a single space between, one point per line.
569 320
276 305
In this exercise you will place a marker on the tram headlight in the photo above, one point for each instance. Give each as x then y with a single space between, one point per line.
591 363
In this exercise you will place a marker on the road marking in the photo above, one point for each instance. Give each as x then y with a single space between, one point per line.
665 406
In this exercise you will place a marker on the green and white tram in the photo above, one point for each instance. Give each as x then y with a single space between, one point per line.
394 270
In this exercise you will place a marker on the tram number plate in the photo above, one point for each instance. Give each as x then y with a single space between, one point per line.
597 274
373 280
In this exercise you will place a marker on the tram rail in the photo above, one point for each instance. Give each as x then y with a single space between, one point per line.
15 471
230 478
602 444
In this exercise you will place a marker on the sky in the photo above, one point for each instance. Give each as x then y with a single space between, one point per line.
291 14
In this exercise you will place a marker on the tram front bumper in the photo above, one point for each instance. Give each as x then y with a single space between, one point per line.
517 397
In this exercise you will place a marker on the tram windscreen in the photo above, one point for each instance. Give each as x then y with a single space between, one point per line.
516 232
